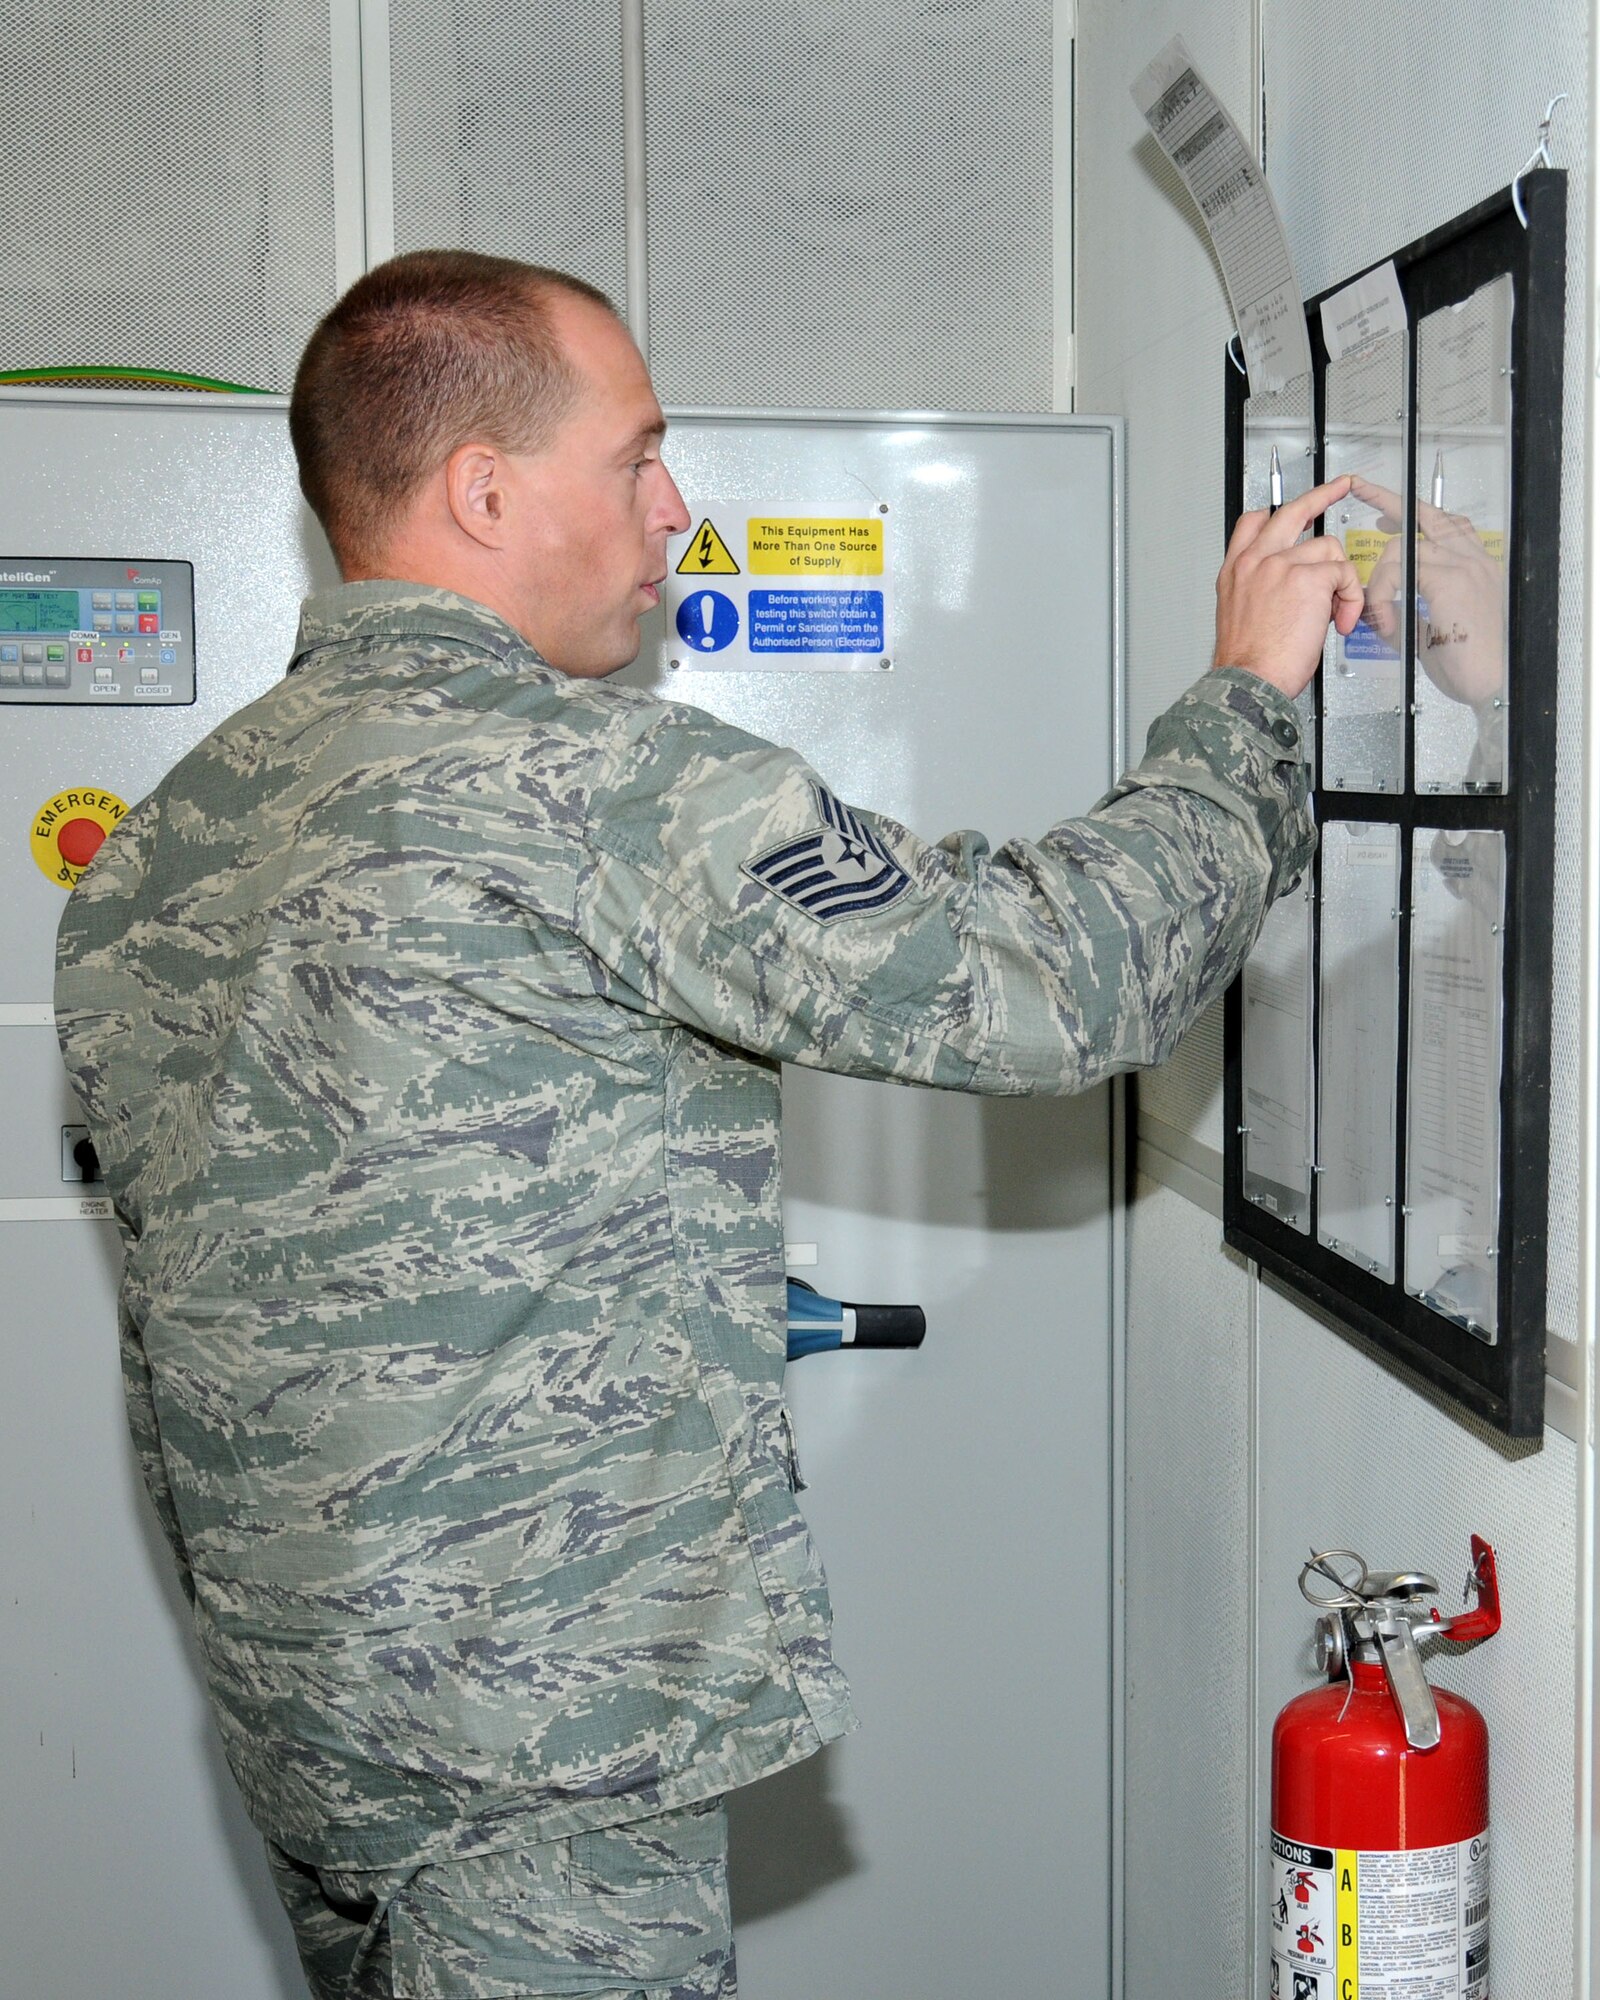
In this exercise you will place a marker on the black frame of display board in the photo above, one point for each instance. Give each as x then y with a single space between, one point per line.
1503 1382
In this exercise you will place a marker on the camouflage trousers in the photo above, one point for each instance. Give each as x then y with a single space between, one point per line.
635 1912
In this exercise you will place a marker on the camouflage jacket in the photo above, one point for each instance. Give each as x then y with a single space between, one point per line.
427 1018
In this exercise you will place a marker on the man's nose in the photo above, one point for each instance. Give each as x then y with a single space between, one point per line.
674 515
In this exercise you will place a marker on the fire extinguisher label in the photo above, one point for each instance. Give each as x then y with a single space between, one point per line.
1406 1925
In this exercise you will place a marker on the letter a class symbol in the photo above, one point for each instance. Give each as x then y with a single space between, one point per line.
707 554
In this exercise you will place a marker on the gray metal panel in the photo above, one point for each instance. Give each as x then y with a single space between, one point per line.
960 1496
110 1772
1188 1620
1354 1456
206 480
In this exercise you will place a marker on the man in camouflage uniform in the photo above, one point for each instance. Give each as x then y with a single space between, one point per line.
428 1019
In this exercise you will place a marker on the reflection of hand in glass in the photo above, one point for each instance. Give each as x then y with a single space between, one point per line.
1461 642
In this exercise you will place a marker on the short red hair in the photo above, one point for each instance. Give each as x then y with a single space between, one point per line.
422 355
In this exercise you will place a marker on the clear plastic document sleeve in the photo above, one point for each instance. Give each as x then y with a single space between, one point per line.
1276 1063
1363 684
1279 463
1462 684
1453 1101
1359 1033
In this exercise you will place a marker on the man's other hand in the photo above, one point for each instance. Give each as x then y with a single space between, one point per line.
1276 593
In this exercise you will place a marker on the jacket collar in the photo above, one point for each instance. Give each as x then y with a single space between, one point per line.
393 610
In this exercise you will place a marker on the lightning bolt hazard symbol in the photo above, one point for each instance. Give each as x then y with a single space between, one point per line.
707 554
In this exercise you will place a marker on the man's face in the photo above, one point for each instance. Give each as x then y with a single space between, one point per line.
593 510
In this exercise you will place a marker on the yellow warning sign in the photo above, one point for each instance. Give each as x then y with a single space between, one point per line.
815 547
707 554
69 828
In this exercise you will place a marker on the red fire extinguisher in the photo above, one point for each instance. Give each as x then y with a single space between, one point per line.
1380 1798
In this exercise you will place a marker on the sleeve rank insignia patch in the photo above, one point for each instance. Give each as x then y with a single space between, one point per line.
842 869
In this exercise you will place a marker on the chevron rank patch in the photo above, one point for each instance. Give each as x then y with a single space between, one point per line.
842 869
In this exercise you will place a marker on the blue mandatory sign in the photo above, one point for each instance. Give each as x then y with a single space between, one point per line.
708 621
816 621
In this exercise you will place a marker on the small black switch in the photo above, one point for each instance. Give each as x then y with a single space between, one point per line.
79 1160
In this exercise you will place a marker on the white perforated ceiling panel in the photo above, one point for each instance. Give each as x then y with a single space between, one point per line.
850 206
508 132
166 185
1443 148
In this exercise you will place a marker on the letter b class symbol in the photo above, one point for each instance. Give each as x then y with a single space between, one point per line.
707 621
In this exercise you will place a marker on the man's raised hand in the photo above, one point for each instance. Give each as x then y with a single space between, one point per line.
1276 593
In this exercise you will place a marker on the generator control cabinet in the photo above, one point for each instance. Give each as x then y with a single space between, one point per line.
86 630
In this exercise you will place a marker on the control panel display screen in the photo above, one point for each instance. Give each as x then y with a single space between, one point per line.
96 629
40 610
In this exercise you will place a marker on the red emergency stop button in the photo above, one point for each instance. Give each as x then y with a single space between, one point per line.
79 841
70 828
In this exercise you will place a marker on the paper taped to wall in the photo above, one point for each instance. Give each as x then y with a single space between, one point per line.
1241 218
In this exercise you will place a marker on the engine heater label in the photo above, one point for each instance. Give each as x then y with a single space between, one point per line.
1406 1925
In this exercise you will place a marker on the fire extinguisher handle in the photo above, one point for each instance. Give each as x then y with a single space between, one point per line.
1484 1620
1402 1663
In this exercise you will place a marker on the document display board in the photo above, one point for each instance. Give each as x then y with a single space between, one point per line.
1388 1041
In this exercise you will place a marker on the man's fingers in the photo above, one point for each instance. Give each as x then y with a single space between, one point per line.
1347 596
1371 494
1245 531
1295 516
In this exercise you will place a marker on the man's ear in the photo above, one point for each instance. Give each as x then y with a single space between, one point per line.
475 479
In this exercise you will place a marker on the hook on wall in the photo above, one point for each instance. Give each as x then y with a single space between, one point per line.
1539 157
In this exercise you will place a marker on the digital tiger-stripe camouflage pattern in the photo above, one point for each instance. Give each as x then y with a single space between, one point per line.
427 1018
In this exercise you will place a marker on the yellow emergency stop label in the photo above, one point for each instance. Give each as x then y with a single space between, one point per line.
812 546
68 830
707 554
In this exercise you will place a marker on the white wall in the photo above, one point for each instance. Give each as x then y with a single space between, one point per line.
1253 1426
